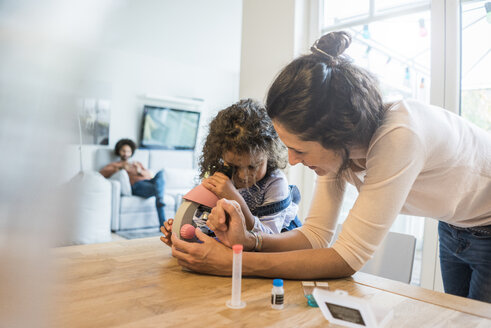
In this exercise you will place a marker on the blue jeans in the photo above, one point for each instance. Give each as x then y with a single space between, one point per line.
153 187
465 260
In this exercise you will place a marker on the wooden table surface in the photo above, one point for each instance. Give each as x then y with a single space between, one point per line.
137 283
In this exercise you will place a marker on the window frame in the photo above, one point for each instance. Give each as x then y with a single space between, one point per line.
445 90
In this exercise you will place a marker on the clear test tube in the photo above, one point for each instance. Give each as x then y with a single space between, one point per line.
235 302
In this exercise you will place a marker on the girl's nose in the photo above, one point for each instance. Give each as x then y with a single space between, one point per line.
242 174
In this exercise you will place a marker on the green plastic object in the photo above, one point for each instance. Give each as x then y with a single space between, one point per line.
311 301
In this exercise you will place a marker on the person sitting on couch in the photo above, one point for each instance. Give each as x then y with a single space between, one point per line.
141 180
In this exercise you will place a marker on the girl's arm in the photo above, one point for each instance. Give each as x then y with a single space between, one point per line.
250 219
223 187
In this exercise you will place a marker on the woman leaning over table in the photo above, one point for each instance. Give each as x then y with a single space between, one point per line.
403 157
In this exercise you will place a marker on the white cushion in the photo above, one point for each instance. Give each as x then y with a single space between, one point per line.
124 180
92 210
142 156
138 212
164 159
176 178
136 204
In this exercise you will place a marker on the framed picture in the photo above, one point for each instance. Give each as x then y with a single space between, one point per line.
94 117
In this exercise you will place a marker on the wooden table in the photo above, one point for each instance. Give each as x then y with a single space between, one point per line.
137 283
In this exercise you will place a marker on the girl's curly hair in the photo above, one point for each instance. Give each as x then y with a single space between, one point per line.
243 128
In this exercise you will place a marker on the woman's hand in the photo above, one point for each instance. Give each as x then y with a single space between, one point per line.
167 231
227 221
221 186
209 257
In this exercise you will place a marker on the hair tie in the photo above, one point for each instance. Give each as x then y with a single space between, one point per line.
331 60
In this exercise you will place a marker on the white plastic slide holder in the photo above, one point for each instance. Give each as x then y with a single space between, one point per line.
340 308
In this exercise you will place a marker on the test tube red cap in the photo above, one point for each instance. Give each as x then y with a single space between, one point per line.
237 248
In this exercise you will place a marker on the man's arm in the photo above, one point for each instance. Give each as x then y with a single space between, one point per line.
110 169
142 171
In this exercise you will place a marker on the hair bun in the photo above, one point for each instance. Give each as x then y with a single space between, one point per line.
333 43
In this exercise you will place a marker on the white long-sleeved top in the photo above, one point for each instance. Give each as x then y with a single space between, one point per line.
423 161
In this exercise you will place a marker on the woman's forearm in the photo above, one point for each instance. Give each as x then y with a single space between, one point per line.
290 255
301 264
285 241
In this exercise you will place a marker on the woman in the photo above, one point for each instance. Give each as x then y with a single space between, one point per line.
404 157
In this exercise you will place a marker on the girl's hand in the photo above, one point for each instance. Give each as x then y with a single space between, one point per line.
228 222
209 257
221 186
167 231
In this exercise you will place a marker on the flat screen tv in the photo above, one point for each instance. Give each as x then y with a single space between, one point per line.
169 128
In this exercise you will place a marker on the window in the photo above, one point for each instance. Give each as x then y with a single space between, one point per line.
415 46
391 39
476 58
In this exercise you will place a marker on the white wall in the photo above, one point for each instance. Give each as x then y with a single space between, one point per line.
273 33
267 44
185 48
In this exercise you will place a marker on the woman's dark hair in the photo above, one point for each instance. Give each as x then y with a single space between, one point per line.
243 128
323 97
123 142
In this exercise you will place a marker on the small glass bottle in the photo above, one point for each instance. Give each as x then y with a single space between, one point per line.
277 294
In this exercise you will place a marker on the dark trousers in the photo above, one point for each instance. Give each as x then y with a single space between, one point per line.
465 260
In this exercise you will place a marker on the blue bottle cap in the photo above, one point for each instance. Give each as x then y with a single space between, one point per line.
278 282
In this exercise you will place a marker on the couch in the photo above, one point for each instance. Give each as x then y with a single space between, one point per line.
133 212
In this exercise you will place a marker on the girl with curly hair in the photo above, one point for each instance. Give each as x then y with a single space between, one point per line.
242 160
